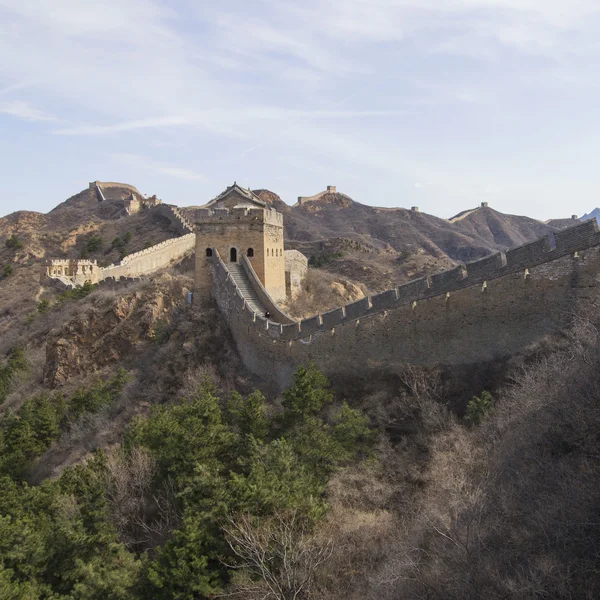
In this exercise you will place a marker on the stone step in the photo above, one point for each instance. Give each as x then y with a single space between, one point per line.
239 277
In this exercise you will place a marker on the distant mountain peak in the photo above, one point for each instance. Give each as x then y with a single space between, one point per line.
594 214
271 199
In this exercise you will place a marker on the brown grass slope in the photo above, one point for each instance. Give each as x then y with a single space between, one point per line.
502 231
478 234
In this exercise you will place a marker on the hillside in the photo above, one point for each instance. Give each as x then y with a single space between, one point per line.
501 231
140 460
83 227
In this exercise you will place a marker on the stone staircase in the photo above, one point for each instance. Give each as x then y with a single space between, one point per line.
100 193
238 274
182 219
177 218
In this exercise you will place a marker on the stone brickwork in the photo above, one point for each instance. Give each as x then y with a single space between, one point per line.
133 204
265 298
77 272
488 309
151 259
238 224
136 265
177 218
114 184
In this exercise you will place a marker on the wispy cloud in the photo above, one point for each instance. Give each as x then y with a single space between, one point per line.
15 87
152 123
23 110
211 119
142 162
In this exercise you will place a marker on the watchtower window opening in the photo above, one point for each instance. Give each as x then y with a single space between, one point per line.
209 252
250 252
233 255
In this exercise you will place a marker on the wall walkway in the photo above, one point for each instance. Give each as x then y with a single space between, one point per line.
151 259
487 309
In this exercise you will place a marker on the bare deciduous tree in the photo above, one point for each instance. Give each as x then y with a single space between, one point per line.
277 556
145 517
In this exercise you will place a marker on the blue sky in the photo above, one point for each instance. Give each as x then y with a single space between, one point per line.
442 104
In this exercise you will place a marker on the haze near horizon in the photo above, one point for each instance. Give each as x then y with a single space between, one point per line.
397 102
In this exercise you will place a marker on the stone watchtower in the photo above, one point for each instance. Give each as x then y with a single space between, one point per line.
238 223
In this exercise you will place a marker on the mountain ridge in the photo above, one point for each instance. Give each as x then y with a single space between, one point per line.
370 245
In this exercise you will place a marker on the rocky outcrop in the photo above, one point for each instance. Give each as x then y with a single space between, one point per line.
109 330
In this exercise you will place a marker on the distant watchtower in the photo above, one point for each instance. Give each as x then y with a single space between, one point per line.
238 223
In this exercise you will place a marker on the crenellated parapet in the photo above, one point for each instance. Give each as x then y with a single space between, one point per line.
135 265
517 260
237 224
246 214
185 223
486 309
177 218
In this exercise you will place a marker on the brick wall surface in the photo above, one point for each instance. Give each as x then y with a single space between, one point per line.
450 319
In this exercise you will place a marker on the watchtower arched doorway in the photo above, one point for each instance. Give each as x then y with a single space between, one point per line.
233 255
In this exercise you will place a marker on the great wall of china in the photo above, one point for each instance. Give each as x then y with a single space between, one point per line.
489 309
331 189
73 272
485 310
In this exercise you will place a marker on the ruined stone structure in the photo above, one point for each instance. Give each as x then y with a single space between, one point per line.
71 271
485 310
238 224
562 223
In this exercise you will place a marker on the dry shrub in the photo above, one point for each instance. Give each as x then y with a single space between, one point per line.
376 548
84 436
27 383
144 517
196 377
